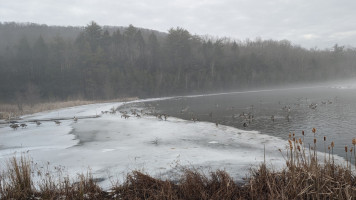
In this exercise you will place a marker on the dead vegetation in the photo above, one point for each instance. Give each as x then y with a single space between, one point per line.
12 111
23 179
305 177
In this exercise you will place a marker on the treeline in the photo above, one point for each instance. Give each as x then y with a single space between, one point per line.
97 62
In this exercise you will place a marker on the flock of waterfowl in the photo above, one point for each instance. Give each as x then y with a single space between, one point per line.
14 124
128 111
246 117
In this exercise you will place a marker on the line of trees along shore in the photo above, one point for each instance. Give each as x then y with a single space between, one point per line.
97 62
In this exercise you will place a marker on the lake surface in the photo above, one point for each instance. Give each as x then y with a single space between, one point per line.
333 117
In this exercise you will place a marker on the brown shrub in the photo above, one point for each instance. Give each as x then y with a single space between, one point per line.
304 177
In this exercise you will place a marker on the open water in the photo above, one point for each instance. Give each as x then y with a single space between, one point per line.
331 110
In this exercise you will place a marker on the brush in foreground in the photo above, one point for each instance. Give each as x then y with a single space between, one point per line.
304 177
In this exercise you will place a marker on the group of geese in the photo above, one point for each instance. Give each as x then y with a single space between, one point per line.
124 114
127 112
15 125
247 118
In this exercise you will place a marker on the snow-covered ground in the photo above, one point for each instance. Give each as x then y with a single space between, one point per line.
111 146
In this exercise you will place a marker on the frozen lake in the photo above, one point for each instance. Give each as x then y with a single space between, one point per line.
111 146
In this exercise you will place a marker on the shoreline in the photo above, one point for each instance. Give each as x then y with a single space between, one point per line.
11 111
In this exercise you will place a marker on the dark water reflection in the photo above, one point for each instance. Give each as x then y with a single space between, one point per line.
334 116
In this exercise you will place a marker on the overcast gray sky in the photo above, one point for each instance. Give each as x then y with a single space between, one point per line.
309 23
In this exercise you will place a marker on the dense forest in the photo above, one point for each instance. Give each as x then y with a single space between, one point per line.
41 63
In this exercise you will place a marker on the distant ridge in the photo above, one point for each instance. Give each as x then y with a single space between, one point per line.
12 32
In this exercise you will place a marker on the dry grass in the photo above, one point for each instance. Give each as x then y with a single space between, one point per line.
192 185
8 111
308 175
22 179
305 177
16 182
302 183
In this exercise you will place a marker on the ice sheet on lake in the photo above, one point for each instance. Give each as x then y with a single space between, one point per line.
112 146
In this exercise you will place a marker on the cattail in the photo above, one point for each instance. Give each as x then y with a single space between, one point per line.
293 139
324 149
347 160
332 144
290 145
290 135
298 147
293 134
303 133
329 148
314 130
354 141
314 140
300 141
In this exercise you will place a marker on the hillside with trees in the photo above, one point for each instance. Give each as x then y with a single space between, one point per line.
42 63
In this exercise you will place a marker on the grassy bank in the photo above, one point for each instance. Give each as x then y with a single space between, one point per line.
307 175
12 111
